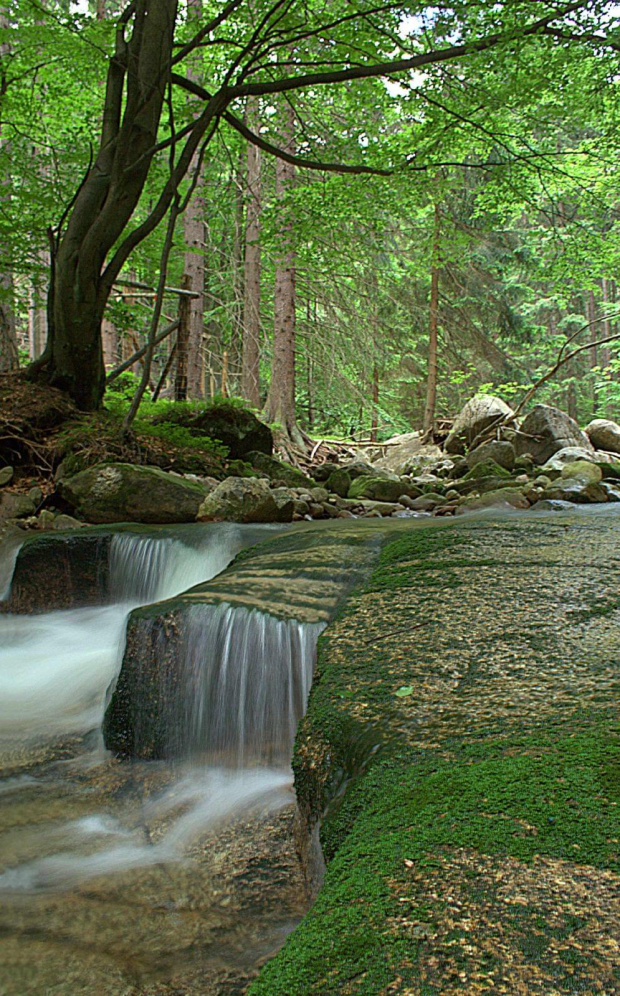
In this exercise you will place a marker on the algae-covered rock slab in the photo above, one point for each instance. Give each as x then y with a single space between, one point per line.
124 492
460 756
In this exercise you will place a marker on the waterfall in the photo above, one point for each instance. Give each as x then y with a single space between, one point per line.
237 692
55 668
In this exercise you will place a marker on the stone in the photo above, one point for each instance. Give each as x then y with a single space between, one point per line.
63 521
502 453
361 468
236 427
244 499
46 519
407 450
6 476
609 469
604 434
14 506
330 511
36 495
525 462
382 508
319 494
494 499
612 492
285 503
582 470
574 490
278 470
323 471
547 430
486 468
123 492
459 466
339 482
316 510
522 479
426 503
477 415
568 454
301 507
376 488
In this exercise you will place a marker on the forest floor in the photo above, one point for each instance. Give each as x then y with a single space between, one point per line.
462 752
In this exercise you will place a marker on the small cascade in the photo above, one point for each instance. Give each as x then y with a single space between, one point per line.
228 685
145 569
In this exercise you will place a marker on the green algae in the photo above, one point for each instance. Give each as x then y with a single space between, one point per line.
501 765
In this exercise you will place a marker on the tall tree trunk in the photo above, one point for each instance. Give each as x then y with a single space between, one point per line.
250 353
280 406
431 384
593 348
9 355
79 289
375 402
182 345
194 232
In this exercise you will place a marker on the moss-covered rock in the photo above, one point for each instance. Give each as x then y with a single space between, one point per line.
378 489
486 468
239 499
235 427
461 750
123 492
339 482
279 470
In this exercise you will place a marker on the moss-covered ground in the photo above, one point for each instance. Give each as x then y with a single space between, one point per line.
462 751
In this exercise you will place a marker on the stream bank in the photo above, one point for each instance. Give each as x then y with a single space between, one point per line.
460 755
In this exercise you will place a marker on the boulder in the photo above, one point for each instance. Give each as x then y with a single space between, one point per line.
486 468
504 497
582 470
613 493
552 505
376 489
502 453
123 492
604 435
568 454
574 490
546 430
14 506
278 470
6 476
246 499
478 414
323 471
237 428
361 468
339 482
407 450
426 503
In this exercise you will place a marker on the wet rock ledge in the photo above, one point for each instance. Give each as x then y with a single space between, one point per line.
460 756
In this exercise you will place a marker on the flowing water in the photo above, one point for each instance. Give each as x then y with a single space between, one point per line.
121 877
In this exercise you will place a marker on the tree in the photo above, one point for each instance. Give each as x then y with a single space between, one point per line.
95 244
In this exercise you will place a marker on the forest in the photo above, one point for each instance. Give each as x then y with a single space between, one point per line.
309 466
352 216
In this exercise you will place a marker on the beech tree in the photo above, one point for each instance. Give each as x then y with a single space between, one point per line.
327 44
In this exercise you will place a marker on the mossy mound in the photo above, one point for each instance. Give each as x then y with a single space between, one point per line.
279 470
461 750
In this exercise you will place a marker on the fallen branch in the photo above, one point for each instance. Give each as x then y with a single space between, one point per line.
140 352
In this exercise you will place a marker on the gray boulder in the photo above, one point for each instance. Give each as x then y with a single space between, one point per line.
14 506
407 450
604 435
246 499
546 430
502 453
478 414
123 492
573 489
568 454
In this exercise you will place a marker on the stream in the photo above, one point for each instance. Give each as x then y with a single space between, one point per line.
158 877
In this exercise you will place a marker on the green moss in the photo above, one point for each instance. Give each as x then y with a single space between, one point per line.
471 801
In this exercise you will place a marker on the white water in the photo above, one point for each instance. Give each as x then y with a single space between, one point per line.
55 670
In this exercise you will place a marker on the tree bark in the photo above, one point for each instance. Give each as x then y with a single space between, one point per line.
431 384
280 406
250 371
73 358
194 232
9 354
